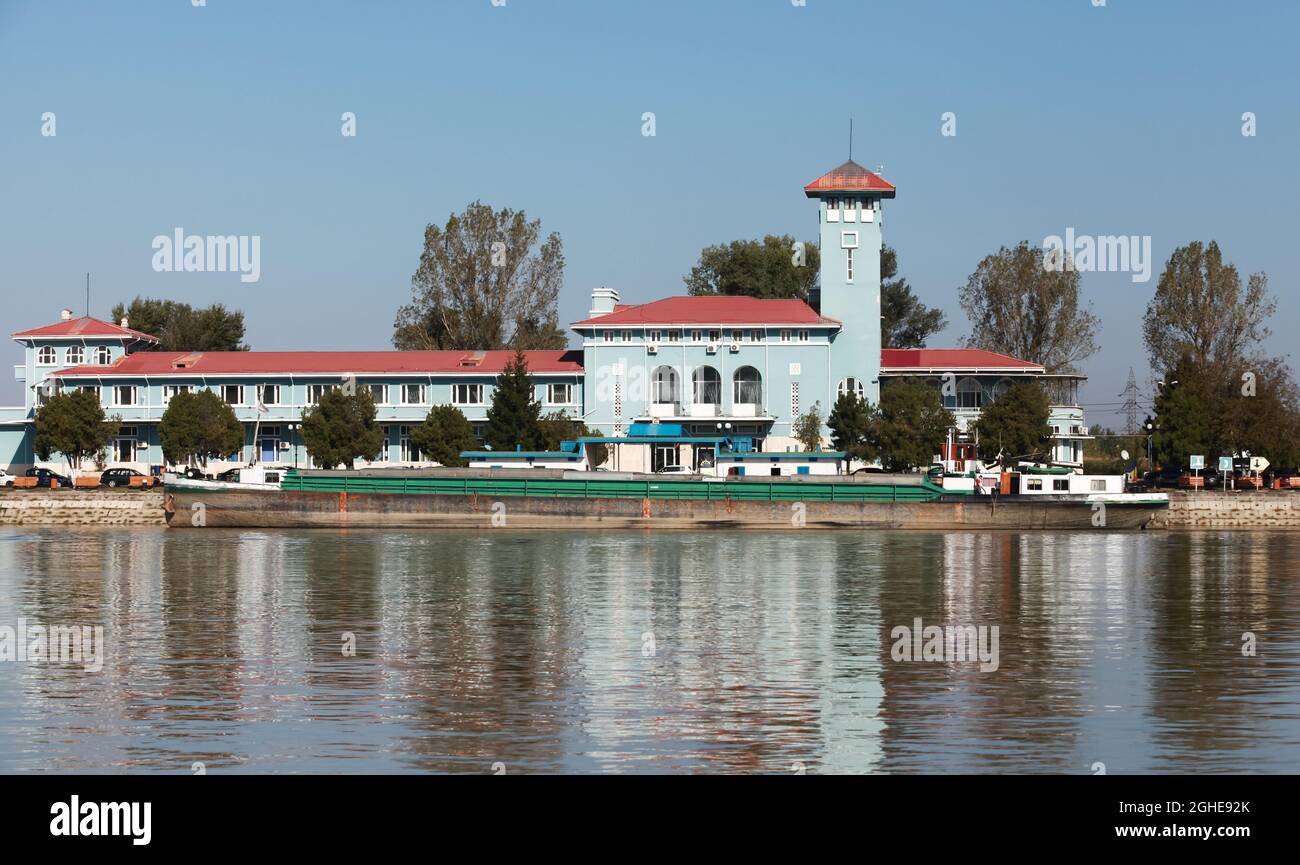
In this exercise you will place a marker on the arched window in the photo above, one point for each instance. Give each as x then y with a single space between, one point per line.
663 385
1000 389
45 355
74 356
706 386
850 385
103 357
969 393
748 386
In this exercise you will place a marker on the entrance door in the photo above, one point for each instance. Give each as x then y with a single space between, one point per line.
664 457
269 449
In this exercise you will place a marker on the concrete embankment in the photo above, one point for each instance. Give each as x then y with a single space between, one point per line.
1245 509
81 508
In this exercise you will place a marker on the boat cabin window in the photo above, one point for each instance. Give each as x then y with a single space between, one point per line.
1034 484
1098 485
1061 485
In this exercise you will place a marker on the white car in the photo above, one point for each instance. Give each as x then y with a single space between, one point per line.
6 479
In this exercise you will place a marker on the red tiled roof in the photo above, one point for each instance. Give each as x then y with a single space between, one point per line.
950 359
306 363
84 326
711 309
850 177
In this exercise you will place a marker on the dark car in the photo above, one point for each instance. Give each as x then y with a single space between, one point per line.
1167 476
44 476
122 478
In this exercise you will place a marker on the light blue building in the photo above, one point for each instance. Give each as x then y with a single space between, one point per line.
676 378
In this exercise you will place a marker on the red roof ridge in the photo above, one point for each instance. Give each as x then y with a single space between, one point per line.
82 326
706 309
850 177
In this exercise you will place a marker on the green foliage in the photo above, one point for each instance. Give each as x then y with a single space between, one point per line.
765 268
181 327
444 435
1020 307
72 423
1015 424
514 416
807 429
853 424
197 427
905 322
341 428
910 426
559 427
480 285
1199 314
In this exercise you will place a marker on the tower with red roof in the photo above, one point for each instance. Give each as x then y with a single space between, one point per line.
849 203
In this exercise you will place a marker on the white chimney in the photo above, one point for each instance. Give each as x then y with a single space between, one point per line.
603 301
125 322
66 315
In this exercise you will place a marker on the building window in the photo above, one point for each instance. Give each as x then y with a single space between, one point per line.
559 393
851 385
467 394
848 265
785 336
270 394
695 336
46 355
74 356
1000 389
124 445
654 336
233 394
674 336
663 384
170 390
412 394
706 386
715 336
607 335
124 394
627 336
379 393
103 357
747 386
969 393
803 336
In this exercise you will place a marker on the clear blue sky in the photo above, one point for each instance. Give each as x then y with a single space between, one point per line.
1124 119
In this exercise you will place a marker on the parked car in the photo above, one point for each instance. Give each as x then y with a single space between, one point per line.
6 479
44 476
121 477
675 470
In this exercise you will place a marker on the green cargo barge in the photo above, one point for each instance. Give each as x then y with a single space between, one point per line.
548 499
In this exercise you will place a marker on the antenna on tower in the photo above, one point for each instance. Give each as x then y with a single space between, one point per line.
87 294
850 139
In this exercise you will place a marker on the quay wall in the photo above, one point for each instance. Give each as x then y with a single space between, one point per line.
81 508
1242 509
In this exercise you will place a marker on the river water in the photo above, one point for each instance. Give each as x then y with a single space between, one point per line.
513 652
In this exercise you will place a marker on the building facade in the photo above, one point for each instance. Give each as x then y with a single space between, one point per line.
706 370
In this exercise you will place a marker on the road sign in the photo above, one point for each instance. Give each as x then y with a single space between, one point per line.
1225 464
1258 464
1197 462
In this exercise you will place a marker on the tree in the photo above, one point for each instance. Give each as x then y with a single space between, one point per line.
444 435
72 423
1015 424
559 427
1019 305
767 268
807 429
513 417
341 428
910 426
1185 423
853 423
480 285
905 322
181 327
197 427
1200 313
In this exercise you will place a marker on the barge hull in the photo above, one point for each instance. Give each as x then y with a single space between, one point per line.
344 509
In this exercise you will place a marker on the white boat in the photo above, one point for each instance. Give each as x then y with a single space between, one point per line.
250 478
